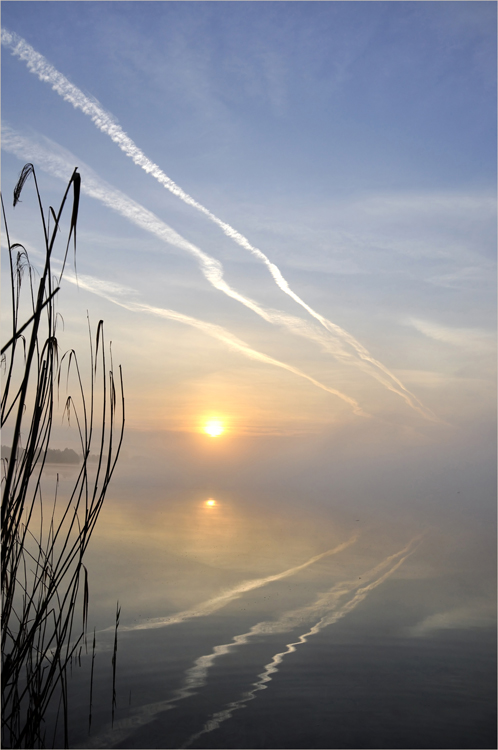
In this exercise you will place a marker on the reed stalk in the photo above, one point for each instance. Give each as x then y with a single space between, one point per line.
44 582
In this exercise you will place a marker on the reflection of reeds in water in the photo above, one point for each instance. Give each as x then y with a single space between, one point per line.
114 656
91 683
44 581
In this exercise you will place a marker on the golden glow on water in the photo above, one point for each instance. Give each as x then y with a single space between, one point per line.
214 427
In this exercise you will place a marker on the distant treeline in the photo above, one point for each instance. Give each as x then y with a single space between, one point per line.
52 456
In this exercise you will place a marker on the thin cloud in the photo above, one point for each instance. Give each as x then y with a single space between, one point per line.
475 339
58 165
468 277
217 332
107 123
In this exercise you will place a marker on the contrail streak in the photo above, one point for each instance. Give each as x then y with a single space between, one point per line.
106 123
216 332
328 619
211 268
60 164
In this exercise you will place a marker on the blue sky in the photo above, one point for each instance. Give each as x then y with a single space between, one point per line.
288 226
354 144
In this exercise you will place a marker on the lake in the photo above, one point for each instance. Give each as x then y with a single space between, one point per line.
269 616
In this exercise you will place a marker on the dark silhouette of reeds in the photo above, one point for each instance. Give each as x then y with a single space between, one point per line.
114 658
45 589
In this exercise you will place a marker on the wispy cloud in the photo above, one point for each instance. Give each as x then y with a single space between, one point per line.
467 277
475 339
108 124
214 331
58 163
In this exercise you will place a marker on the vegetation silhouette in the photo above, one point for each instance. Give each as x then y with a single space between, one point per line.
45 587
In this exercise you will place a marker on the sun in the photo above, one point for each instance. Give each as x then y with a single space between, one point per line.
214 427
210 502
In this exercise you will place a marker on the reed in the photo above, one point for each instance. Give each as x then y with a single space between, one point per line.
45 587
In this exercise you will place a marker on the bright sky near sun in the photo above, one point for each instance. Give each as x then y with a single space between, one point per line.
214 427
324 250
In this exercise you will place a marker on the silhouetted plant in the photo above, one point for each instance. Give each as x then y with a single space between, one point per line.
44 581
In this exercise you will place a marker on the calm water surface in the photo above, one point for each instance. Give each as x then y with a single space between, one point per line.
272 619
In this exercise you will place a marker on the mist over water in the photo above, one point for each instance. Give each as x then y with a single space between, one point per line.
287 221
348 603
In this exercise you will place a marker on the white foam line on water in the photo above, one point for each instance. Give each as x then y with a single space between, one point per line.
328 619
212 270
106 123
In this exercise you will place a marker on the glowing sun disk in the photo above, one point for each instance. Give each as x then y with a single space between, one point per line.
214 427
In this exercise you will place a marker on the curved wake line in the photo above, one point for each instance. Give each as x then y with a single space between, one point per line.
328 619
106 123
210 267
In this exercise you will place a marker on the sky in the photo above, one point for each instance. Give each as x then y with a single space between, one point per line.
288 218
288 226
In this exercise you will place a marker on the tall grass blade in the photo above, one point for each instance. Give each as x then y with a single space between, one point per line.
44 582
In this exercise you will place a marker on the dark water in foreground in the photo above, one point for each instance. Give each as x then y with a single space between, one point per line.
268 622
337 692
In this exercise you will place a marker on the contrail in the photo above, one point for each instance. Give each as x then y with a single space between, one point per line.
106 123
60 163
328 619
211 268
216 332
